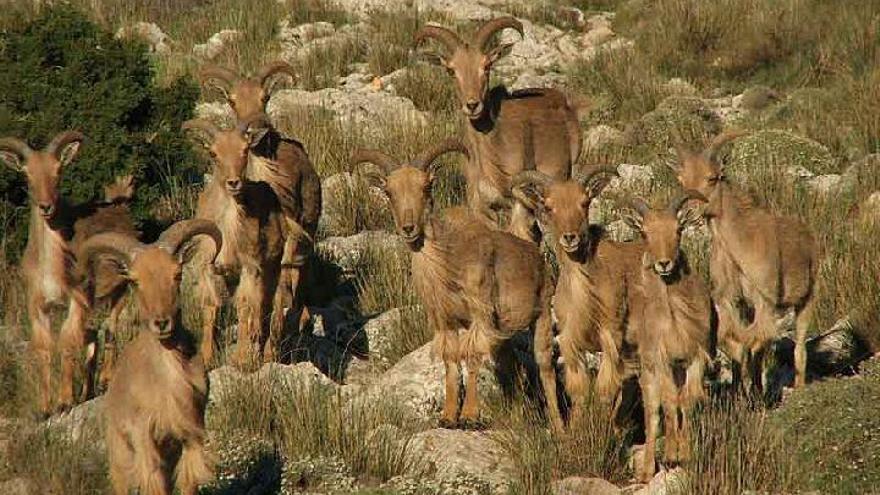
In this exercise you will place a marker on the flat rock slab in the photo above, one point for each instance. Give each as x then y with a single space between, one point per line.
584 486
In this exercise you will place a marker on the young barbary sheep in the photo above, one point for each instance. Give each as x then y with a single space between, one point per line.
495 119
598 281
280 162
479 286
677 326
155 405
48 263
759 259
249 216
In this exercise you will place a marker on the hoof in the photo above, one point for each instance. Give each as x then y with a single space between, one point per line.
447 424
472 424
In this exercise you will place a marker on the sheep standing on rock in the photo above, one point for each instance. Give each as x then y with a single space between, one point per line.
677 329
479 286
49 261
598 282
155 405
495 120
250 218
760 260
283 164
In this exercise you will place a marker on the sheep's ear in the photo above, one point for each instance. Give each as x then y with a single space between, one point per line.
690 217
375 179
12 160
498 53
596 185
256 134
68 153
633 220
432 58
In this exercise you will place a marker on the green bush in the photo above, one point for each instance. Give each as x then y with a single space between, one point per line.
60 71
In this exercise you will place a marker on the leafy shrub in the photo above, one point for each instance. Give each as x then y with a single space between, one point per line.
60 71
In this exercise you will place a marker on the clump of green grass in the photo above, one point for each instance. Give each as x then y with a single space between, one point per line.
622 83
430 89
299 420
308 11
592 447
832 435
391 37
736 449
56 462
327 62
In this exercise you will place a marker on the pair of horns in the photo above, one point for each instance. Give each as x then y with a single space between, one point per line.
542 181
642 207
228 78
481 38
123 248
57 143
212 129
424 161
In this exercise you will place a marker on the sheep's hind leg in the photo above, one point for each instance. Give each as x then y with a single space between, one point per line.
804 319
650 396
446 344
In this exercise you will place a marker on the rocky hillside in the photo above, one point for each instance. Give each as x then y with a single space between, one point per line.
357 411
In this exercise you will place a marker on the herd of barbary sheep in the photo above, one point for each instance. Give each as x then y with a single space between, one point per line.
639 303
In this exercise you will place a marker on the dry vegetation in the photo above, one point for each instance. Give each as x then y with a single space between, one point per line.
823 58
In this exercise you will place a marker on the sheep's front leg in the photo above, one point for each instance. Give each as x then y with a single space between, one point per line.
72 341
446 345
651 399
691 394
150 471
41 347
120 455
577 380
803 321
671 417
249 308
193 468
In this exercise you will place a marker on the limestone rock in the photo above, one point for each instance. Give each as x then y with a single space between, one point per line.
216 44
584 486
456 452
157 41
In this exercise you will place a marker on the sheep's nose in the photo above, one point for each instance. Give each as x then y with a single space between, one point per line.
472 105
46 209
233 184
569 238
408 229
664 265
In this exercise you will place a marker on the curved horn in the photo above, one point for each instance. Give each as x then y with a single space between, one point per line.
16 146
687 195
225 76
277 67
384 160
426 159
118 246
202 125
719 141
62 139
639 205
176 236
583 179
492 26
449 39
531 177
